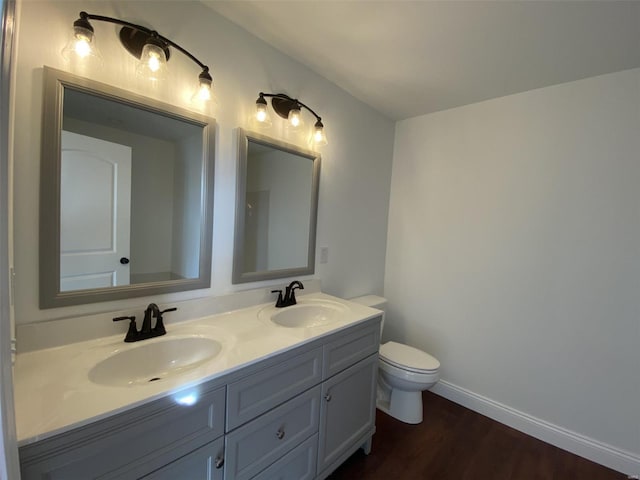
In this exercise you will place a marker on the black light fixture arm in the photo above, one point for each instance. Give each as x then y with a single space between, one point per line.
85 17
292 100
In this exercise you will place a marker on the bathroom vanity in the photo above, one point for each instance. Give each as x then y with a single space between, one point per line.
290 402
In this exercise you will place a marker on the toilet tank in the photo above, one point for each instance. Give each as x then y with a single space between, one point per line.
373 301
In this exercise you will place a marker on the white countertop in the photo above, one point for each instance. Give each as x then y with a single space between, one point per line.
53 392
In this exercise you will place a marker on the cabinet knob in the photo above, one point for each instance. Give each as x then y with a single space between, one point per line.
327 397
219 462
280 434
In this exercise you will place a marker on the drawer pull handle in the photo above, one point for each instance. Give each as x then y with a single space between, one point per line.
280 434
219 462
327 397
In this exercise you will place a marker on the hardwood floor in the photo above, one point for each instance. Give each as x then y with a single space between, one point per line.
455 443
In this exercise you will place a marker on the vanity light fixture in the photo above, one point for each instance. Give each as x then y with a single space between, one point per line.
291 109
143 43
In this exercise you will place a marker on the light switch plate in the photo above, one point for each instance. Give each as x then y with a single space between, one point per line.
324 254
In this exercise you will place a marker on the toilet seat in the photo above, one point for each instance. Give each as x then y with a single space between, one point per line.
406 380
408 358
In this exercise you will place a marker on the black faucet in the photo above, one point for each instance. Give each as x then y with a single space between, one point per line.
152 311
289 295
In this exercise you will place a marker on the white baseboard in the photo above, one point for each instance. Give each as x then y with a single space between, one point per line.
612 457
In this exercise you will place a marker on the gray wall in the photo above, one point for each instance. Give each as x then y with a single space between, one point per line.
187 208
514 252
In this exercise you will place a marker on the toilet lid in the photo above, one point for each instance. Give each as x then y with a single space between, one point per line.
408 358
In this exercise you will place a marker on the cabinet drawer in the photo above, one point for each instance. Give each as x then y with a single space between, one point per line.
298 464
205 463
258 444
268 388
350 348
129 445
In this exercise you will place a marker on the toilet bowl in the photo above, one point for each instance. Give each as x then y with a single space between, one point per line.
404 372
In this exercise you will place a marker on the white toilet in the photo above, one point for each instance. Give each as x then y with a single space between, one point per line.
403 373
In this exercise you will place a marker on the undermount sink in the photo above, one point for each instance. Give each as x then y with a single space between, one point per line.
308 314
155 361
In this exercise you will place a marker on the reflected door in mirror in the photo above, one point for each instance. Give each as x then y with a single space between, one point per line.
95 204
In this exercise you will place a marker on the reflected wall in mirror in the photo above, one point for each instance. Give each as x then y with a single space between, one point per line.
126 194
276 209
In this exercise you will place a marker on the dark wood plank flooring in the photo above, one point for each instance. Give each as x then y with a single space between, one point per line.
455 443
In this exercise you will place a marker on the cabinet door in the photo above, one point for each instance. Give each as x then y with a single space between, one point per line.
205 463
347 411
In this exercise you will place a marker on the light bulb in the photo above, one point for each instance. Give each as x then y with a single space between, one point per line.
295 118
261 117
153 60
82 46
203 93
318 137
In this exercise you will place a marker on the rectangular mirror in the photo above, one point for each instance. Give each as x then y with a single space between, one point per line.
276 209
126 194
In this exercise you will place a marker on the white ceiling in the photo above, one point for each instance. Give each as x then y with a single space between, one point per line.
408 58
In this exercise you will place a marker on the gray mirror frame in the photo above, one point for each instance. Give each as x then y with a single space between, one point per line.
55 81
238 276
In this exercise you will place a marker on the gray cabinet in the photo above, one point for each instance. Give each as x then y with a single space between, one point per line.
349 348
256 445
298 464
260 392
347 414
296 415
129 445
205 463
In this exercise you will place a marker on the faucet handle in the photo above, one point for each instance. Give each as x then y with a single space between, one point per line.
159 328
280 301
132 333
